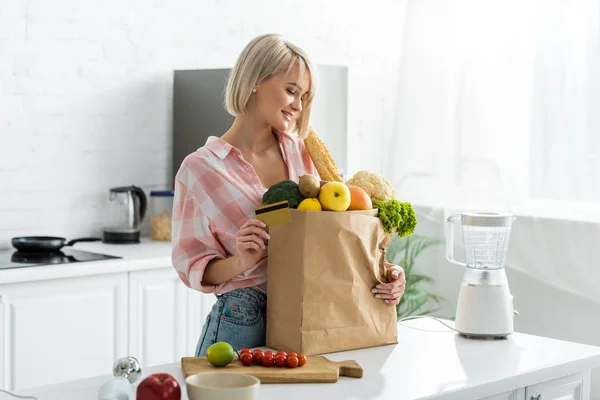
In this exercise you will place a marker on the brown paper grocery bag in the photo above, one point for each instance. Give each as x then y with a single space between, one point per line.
321 269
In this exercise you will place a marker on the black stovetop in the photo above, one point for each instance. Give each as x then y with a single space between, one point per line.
12 258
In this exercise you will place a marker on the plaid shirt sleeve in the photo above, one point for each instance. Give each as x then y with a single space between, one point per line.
194 240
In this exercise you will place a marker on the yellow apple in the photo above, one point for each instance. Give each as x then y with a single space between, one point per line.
335 196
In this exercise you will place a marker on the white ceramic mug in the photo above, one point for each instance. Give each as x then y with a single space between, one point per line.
222 386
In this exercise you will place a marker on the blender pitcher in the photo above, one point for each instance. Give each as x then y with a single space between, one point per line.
485 305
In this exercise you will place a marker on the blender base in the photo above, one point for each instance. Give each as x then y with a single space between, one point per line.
484 312
483 337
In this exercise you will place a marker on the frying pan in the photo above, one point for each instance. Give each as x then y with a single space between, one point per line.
46 244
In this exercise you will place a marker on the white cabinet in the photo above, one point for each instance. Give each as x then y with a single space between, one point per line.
165 316
573 387
59 330
512 395
56 330
157 317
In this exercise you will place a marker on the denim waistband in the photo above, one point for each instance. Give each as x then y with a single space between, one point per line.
248 293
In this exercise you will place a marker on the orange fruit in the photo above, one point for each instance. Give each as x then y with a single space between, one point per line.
359 199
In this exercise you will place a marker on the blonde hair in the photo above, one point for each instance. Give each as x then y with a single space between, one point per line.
264 56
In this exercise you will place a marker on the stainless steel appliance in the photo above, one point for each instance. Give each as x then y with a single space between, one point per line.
127 209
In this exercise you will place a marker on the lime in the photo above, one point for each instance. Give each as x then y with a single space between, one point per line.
220 354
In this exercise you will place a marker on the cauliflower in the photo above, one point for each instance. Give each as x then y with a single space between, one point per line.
379 188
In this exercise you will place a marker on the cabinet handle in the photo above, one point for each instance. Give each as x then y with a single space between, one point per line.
6 341
538 397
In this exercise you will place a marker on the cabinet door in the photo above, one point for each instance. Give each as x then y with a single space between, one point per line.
166 317
59 330
157 317
567 388
512 395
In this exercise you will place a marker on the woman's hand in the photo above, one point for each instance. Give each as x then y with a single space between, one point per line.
250 241
392 292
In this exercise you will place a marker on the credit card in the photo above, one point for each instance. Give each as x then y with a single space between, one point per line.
274 214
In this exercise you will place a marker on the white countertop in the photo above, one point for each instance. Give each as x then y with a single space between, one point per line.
424 364
145 255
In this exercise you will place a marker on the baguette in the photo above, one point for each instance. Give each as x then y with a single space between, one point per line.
321 158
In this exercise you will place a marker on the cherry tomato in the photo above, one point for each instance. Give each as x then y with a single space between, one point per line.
292 362
257 356
245 350
246 358
281 360
292 354
282 352
268 360
301 360
268 352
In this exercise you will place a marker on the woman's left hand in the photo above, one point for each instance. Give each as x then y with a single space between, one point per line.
391 292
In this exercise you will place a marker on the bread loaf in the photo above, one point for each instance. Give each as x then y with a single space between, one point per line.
321 157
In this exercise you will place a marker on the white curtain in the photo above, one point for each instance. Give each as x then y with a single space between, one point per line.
498 107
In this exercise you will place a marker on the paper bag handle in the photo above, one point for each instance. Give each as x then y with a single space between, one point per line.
383 276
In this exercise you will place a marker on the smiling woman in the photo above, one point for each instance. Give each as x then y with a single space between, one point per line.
218 247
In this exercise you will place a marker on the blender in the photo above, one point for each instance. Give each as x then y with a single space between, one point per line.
485 304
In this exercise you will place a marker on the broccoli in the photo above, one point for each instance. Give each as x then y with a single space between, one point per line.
284 190
397 214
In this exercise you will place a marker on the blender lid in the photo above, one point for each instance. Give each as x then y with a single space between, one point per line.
489 219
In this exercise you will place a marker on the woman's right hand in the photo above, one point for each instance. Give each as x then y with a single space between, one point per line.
250 241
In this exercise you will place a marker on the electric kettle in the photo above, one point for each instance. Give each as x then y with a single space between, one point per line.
126 211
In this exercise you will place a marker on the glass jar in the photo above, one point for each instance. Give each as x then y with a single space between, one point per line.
162 210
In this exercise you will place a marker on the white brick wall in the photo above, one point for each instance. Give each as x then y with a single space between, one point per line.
85 91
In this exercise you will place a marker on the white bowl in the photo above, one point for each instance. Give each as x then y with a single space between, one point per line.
222 386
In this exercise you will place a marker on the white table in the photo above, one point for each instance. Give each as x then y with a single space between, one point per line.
437 365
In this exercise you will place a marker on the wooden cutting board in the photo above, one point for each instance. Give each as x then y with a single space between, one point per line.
317 369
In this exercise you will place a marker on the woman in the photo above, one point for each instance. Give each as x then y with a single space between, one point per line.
217 246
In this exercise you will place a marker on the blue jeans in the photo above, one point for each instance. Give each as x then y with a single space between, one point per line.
239 318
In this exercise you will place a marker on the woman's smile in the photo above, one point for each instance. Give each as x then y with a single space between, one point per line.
287 115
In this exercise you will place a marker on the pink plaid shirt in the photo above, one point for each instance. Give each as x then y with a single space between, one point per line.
216 192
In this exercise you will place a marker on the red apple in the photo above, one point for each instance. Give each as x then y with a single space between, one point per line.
160 386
